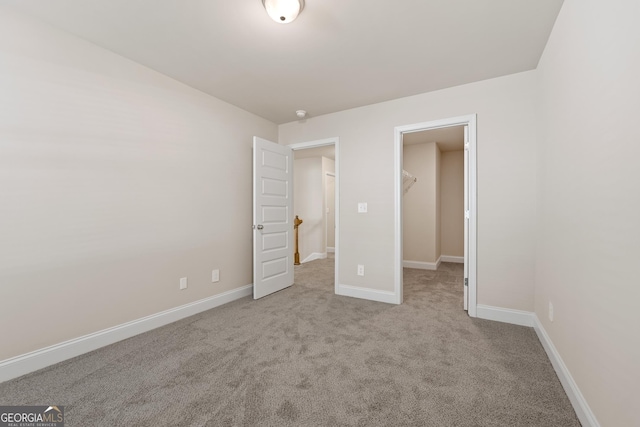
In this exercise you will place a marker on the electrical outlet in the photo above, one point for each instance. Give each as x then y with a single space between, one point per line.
360 270
550 311
183 283
362 207
215 275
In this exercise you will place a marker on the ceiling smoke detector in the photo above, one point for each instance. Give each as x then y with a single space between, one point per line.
283 11
301 114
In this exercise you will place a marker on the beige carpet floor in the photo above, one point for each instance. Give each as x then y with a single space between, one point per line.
305 357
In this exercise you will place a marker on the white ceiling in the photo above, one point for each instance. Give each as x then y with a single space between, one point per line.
448 139
338 54
328 151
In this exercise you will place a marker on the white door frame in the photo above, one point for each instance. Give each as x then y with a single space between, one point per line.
469 121
321 143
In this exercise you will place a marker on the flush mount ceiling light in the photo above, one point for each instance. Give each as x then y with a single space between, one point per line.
283 11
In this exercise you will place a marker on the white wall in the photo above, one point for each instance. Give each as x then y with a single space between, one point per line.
452 203
308 202
506 171
310 205
421 208
589 197
115 181
438 201
329 167
433 222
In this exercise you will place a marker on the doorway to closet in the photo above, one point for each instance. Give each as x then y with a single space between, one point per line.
435 168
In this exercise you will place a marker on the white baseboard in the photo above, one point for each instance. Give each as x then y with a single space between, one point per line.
422 265
526 318
506 315
314 256
580 405
331 250
451 258
365 293
29 362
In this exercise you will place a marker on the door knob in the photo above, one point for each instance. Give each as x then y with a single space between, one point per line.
260 227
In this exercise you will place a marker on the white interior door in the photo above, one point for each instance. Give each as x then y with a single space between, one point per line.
466 218
272 217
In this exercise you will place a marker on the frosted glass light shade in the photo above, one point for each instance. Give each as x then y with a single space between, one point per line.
283 11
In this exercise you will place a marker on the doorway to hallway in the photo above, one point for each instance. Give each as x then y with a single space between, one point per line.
316 202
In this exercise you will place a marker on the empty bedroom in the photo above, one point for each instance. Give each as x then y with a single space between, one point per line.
154 155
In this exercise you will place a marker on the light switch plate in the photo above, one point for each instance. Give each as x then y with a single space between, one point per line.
362 207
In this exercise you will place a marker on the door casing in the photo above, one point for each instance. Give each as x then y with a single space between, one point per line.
470 121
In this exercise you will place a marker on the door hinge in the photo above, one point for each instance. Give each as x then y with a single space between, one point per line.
466 281
466 146
466 214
